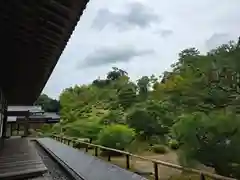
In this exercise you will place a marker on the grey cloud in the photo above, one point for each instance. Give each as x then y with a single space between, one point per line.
110 55
217 39
137 15
164 32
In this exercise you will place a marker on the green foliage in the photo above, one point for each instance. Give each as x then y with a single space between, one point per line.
173 144
114 117
48 104
79 145
115 74
46 129
116 136
57 128
151 119
143 87
159 149
127 95
211 139
86 129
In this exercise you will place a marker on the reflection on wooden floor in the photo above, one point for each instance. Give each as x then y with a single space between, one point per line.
19 159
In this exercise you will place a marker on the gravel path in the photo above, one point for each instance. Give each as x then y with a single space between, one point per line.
55 172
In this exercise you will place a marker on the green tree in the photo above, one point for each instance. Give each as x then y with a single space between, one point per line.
127 95
48 104
115 74
211 139
151 118
143 87
116 136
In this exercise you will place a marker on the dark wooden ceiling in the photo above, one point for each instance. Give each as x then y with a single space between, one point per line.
33 34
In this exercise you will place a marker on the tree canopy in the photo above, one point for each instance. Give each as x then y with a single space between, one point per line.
48 104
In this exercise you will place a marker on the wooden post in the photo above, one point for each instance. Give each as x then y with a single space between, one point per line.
86 148
109 157
202 177
127 161
11 129
96 151
4 126
26 126
156 171
69 141
18 128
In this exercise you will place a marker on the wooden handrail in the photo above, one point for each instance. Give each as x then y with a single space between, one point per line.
154 161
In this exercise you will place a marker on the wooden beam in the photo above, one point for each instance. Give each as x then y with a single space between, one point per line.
58 16
61 7
49 40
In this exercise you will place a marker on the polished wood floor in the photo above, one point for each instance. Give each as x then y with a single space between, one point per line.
19 160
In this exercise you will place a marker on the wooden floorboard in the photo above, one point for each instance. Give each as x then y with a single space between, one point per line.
19 159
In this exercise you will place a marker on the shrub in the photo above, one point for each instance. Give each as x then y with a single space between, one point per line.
173 144
159 149
116 136
87 129
79 145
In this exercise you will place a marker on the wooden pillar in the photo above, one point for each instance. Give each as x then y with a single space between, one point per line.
18 128
11 129
4 129
26 126
4 123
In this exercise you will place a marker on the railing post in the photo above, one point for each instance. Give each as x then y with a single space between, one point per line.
156 171
11 129
18 129
202 177
127 161
96 151
86 148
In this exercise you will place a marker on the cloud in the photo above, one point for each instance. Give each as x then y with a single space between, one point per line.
110 55
137 15
164 32
193 22
217 39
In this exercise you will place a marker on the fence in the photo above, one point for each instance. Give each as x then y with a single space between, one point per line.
202 174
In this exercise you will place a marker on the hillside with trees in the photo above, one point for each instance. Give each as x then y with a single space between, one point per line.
193 108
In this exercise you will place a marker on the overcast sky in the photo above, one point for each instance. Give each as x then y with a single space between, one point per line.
142 37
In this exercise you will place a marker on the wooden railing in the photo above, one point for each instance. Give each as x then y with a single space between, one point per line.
202 174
